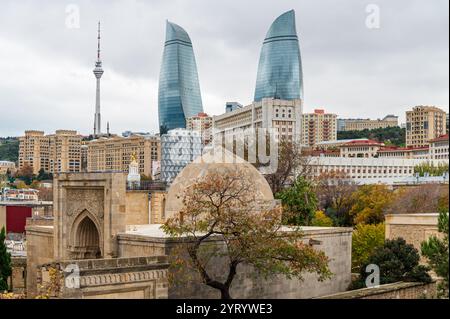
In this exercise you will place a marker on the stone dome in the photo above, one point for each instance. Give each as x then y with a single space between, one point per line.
218 159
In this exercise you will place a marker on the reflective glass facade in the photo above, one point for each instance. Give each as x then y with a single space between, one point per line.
280 69
179 90
179 147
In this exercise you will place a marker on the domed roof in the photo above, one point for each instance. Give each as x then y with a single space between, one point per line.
215 160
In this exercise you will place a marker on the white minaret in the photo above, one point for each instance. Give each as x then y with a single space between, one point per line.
98 72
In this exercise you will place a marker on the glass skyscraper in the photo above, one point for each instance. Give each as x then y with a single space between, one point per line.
280 68
179 90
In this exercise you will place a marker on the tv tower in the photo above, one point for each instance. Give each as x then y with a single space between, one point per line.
98 72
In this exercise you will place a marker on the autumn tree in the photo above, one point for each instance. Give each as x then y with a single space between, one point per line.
366 239
299 202
25 174
334 190
292 163
370 203
428 198
224 219
431 169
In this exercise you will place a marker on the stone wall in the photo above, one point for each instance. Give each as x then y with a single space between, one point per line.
399 290
136 246
99 198
124 278
158 203
414 228
19 274
335 242
137 211
39 251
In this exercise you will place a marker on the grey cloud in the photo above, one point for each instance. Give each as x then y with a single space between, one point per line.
348 69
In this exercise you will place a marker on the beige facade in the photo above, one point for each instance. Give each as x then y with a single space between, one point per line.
318 127
90 210
201 123
413 228
424 123
6 166
55 153
284 116
114 154
439 148
405 152
364 149
368 124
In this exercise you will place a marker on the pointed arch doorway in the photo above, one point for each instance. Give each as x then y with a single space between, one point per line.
86 240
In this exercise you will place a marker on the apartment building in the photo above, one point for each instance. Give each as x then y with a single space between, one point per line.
55 153
318 127
282 116
115 153
367 124
201 123
424 123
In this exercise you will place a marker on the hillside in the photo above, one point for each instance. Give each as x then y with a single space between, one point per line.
9 149
390 135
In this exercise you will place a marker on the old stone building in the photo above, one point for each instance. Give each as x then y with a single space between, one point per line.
105 241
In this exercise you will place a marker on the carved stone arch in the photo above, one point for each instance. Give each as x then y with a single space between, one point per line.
86 237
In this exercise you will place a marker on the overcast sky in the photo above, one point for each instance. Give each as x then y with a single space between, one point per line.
47 57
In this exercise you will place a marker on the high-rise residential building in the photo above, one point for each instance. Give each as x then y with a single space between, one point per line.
318 127
179 89
115 153
201 123
367 124
424 123
179 147
280 69
59 152
282 116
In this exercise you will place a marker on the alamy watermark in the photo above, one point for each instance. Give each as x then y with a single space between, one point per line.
373 16
72 16
373 279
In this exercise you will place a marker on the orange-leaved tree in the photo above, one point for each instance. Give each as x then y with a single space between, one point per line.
223 218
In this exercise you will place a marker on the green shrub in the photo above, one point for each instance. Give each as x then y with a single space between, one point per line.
398 261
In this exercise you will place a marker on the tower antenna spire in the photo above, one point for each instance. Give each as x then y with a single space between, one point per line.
98 45
98 72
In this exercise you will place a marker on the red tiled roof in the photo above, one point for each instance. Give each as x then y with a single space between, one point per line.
393 148
363 142
440 138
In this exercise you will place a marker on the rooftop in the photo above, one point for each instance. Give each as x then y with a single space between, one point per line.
364 142
440 139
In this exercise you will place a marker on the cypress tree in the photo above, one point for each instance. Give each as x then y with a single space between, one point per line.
5 262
